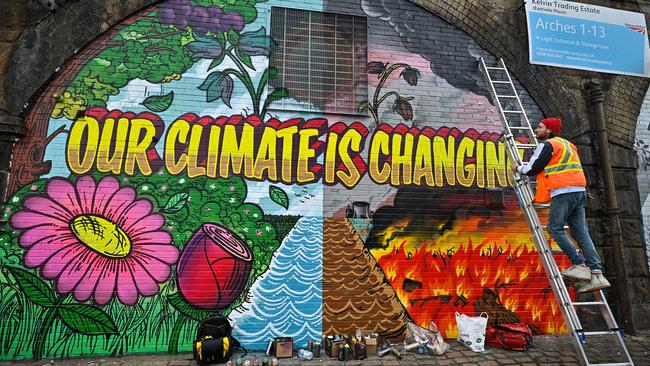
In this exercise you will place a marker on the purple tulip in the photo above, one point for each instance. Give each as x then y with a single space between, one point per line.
403 108
411 75
376 67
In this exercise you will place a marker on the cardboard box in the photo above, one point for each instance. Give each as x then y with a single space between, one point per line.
283 347
371 342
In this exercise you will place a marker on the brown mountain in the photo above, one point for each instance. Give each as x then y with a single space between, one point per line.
356 294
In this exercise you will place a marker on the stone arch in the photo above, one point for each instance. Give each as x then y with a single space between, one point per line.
43 48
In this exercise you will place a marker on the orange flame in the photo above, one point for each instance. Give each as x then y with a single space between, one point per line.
450 274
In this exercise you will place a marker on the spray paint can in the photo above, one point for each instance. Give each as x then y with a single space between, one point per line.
341 353
229 363
317 349
383 351
346 352
238 362
310 346
411 346
265 361
396 352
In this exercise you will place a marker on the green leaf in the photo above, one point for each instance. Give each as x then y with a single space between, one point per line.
221 38
187 37
244 58
183 307
159 103
273 72
279 196
217 61
176 203
233 37
362 106
276 94
87 319
36 290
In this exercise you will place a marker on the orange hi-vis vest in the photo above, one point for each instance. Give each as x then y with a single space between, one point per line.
563 170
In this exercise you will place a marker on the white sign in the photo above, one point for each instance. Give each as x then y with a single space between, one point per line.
587 37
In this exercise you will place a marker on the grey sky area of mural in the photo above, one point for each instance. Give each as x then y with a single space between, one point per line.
449 92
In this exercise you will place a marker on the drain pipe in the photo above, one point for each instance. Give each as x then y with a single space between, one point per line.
596 99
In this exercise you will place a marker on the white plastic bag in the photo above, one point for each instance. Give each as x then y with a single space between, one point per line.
471 331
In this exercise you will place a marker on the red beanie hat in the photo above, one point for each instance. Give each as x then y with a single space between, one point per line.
553 124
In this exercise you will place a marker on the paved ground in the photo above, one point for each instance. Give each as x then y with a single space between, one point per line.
546 350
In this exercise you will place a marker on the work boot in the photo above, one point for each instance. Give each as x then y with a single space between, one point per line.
577 272
598 282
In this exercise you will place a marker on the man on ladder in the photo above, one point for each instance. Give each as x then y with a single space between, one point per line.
561 180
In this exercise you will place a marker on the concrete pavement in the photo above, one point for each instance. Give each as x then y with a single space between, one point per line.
546 350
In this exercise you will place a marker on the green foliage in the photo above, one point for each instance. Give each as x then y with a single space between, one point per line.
143 50
183 307
282 223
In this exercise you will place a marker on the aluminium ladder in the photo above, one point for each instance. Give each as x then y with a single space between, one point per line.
517 128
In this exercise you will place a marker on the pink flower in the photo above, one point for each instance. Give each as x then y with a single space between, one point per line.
96 240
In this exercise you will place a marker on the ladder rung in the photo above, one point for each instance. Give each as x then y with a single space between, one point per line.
500 82
513 112
589 303
565 227
507 96
518 128
600 333
525 146
541 205
494 68
612 364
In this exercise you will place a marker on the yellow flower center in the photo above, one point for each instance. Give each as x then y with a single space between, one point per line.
101 235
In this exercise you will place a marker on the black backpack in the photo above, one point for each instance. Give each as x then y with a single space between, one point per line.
214 341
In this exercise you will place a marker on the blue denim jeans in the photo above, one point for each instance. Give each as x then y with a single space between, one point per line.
569 208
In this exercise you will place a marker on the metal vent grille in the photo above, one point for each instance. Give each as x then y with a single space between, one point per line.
321 60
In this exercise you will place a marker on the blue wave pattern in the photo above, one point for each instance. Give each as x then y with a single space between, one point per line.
287 301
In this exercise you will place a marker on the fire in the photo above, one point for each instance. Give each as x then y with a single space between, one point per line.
481 264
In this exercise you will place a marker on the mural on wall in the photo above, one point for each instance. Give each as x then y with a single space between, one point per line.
157 186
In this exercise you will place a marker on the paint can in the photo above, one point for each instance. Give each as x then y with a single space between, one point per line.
310 346
341 353
317 349
396 352
265 361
